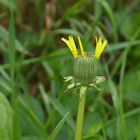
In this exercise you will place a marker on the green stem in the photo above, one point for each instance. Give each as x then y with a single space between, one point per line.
80 115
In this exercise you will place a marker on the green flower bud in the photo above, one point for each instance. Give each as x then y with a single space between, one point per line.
6 119
85 69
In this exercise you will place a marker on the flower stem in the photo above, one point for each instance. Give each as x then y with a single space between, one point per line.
80 115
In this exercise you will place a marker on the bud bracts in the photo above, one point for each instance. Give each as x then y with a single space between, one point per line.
85 69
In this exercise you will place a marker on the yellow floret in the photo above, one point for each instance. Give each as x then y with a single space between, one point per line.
99 47
71 44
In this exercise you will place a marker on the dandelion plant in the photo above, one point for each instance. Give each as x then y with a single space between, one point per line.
84 74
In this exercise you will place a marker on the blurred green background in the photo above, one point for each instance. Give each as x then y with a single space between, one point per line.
33 61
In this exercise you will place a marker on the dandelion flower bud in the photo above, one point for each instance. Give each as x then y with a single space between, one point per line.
85 65
85 69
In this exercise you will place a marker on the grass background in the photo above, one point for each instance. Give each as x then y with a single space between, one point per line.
33 61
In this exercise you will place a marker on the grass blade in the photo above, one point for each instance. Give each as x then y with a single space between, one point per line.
33 117
109 11
58 127
57 106
12 57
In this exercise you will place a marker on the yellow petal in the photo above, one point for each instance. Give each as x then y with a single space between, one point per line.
71 44
67 42
81 46
74 49
99 47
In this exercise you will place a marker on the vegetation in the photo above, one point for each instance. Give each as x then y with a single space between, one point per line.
34 60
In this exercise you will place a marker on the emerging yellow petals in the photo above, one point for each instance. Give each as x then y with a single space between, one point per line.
81 46
71 44
99 47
